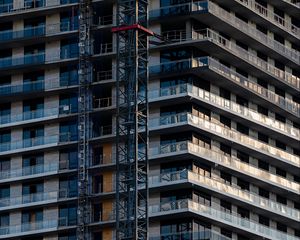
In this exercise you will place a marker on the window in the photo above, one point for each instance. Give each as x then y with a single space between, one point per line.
243 213
31 188
69 48
243 184
5 139
70 235
33 81
68 187
180 229
33 164
264 220
280 145
242 101
33 136
67 215
68 131
225 206
4 223
69 20
4 193
244 157
34 3
4 165
242 129
262 137
68 76
262 110
264 193
225 121
34 27
33 108
226 233
225 149
68 104
224 93
68 159
226 177
281 172
281 199
31 216
281 227
202 198
263 165
5 113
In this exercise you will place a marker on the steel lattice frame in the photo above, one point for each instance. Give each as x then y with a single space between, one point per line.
85 96
132 122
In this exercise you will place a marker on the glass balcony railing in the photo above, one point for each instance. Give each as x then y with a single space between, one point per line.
225 160
34 4
44 30
229 134
40 226
270 16
37 141
220 185
39 58
186 64
36 198
223 103
215 213
204 235
37 114
27 171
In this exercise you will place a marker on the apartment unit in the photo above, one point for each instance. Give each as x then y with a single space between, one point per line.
224 129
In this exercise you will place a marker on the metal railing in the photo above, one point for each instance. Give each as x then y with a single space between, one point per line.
270 16
218 157
220 185
213 99
104 20
190 235
215 212
186 64
103 102
104 48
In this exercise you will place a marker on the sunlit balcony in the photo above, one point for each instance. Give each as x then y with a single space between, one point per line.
231 162
225 104
216 214
233 76
219 185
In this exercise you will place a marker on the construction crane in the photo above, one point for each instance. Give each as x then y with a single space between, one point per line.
132 120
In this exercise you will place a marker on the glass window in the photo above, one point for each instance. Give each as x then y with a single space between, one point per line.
68 75
68 159
68 103
5 139
68 187
33 109
68 215
4 165
69 48
5 113
68 131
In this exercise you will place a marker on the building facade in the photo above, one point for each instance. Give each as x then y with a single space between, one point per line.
224 129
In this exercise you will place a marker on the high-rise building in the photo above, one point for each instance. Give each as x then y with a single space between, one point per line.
224 128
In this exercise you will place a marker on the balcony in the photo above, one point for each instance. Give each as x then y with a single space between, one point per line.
270 16
34 143
204 235
231 162
233 76
103 130
37 115
260 67
219 185
36 59
33 5
224 104
36 86
227 133
105 21
29 228
105 49
32 199
215 214
240 29
35 32
26 172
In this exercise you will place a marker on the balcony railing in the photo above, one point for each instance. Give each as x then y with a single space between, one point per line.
270 16
186 64
204 235
234 21
104 48
229 134
104 20
253 32
103 102
36 198
215 213
221 186
223 103
225 160
32 59
34 4
34 86
38 31
34 115
27 171
104 75
37 141
38 227
102 130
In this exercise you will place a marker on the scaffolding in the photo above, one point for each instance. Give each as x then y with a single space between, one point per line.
132 120
84 125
